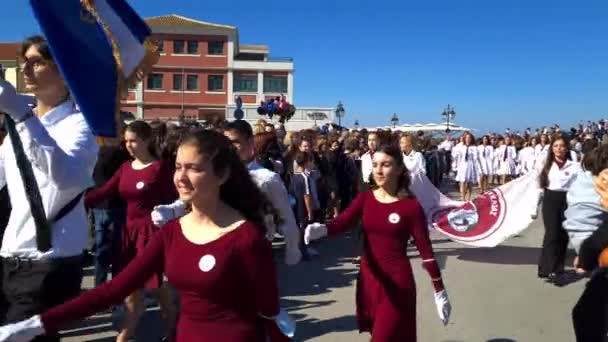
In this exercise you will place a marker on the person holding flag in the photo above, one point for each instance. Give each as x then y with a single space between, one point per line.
43 265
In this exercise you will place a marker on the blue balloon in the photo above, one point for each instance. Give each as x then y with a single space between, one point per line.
271 107
239 114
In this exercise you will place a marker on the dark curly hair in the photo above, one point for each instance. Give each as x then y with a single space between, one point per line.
239 191
404 181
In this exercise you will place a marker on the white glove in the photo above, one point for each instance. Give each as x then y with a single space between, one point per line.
23 331
166 212
443 306
314 231
15 105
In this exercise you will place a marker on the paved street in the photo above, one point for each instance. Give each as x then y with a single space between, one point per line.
495 294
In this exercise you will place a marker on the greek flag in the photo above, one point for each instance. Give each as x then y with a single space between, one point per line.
101 47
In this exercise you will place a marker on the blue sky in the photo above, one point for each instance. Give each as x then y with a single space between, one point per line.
500 63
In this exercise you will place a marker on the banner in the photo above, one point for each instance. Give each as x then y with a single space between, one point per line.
100 46
487 220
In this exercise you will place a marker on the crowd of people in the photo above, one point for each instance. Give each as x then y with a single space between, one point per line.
194 207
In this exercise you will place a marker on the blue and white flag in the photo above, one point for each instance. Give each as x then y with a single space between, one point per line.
100 46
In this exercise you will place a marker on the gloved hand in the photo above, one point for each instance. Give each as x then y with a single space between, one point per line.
314 231
23 331
166 212
443 306
15 105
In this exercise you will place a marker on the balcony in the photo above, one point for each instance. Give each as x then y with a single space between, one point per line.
270 64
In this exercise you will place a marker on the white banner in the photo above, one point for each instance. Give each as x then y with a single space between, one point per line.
486 221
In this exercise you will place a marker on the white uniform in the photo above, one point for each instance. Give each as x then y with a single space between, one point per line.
414 161
540 156
526 160
507 156
467 165
486 159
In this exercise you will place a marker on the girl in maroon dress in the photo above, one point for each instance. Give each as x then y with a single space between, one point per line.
217 256
142 183
386 292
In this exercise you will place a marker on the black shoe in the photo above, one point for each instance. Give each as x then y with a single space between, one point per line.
542 275
554 278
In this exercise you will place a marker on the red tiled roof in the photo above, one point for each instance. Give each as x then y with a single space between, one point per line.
175 20
8 51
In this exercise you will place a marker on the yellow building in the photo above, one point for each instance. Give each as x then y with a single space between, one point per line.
9 68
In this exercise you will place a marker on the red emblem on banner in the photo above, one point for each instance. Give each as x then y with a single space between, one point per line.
474 220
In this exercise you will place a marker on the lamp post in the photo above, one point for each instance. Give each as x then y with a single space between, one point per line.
356 124
448 115
340 112
395 120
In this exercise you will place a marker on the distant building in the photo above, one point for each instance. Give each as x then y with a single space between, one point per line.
203 67
9 65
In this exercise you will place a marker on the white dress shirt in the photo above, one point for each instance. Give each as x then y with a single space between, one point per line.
63 153
366 166
414 161
446 145
272 186
560 179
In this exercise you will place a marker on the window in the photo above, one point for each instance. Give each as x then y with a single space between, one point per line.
179 46
178 82
216 48
161 46
246 83
155 82
215 83
192 82
192 47
275 84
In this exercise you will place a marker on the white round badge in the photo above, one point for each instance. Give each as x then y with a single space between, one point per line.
139 185
394 218
206 263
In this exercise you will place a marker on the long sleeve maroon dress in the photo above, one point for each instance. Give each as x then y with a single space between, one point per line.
141 190
386 292
225 285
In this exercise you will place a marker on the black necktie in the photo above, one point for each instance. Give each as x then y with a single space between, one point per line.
43 228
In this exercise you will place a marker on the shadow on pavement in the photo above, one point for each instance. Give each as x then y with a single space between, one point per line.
311 328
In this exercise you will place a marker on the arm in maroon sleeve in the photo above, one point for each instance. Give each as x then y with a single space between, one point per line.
115 291
420 232
259 266
346 220
106 191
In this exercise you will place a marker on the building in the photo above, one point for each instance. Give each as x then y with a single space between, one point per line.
203 67
9 65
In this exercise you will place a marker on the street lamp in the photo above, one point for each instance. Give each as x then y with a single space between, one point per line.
448 115
395 120
356 124
340 112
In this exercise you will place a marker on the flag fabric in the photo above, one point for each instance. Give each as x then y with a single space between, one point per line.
101 47
487 220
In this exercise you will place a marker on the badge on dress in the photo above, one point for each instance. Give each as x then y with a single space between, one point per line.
206 263
394 218
139 185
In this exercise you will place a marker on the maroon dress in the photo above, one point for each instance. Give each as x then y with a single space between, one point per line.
142 190
225 285
386 292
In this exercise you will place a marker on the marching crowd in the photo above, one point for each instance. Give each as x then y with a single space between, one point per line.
195 207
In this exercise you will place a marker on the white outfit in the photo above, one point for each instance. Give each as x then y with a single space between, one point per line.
366 166
446 145
526 160
486 159
560 179
456 153
540 153
414 162
506 155
63 167
467 164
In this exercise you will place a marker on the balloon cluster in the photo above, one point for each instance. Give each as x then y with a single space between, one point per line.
238 112
277 106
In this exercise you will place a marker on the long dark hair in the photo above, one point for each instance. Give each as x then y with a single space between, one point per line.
544 174
404 181
239 191
144 131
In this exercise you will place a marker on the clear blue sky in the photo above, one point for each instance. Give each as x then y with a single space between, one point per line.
501 63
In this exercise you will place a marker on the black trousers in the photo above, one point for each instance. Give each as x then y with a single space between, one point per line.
555 241
33 286
590 314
